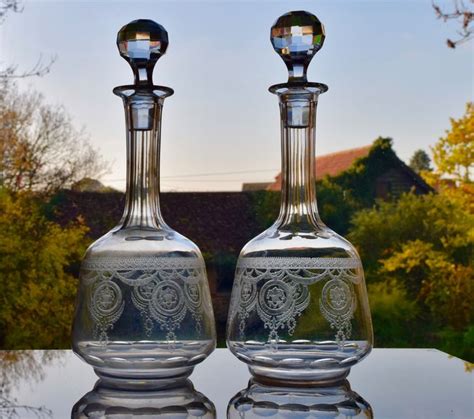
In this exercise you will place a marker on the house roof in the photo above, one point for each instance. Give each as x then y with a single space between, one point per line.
330 164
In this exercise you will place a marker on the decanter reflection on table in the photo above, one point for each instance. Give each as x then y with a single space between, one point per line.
144 316
299 310
335 401
180 402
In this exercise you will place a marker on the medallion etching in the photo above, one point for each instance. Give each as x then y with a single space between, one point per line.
106 305
277 290
163 290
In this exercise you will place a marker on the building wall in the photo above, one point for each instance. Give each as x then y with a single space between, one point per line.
394 182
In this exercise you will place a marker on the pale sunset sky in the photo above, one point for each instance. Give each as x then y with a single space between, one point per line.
387 65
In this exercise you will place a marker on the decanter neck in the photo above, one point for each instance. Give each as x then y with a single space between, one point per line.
143 109
298 209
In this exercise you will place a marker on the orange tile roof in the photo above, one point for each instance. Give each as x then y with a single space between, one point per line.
330 164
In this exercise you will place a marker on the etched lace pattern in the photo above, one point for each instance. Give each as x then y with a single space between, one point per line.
163 290
284 294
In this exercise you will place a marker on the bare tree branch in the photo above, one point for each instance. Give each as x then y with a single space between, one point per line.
7 6
11 71
461 13
10 410
38 70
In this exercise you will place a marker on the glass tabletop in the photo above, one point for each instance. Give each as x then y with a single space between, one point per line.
390 383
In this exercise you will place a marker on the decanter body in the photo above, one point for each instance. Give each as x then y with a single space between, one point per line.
143 313
299 310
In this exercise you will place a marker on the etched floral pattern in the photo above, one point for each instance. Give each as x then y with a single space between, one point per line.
163 290
277 289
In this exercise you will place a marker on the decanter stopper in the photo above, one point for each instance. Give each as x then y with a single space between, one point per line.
296 37
141 43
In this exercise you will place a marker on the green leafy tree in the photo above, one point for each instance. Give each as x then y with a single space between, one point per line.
420 161
425 245
430 218
453 154
266 205
335 205
41 152
393 314
37 258
446 286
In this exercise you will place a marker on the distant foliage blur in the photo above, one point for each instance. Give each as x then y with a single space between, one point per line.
38 285
420 161
418 257
418 253
40 153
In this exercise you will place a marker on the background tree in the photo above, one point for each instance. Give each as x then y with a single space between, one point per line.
40 152
420 161
37 263
40 148
423 246
453 154
464 14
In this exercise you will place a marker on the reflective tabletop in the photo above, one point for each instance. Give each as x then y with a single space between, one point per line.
390 383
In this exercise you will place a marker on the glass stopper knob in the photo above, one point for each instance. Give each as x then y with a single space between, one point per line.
141 43
296 37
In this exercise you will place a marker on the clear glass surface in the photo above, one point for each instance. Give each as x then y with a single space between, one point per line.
143 313
299 310
337 401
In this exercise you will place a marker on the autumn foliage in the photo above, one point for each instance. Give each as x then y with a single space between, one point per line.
423 247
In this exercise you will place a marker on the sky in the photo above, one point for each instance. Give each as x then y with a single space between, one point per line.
387 65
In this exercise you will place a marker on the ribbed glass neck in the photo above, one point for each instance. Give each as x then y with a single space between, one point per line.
298 208
143 109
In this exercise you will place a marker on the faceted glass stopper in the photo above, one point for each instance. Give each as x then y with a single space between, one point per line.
141 43
297 37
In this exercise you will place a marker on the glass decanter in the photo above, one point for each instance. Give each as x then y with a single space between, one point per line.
180 402
335 401
299 310
143 313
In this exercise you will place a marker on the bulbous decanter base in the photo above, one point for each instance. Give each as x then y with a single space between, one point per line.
298 378
299 312
155 379
143 315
